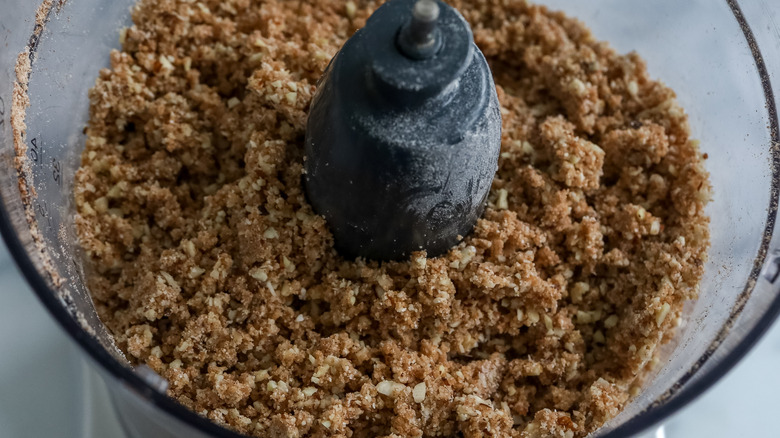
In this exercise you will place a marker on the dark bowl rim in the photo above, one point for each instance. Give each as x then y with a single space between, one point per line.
675 401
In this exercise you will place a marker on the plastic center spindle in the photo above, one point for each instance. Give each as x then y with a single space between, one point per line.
419 38
403 135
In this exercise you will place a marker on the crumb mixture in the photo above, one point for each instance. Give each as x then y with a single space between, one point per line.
209 266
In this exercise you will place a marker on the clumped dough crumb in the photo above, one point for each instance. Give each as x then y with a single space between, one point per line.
208 265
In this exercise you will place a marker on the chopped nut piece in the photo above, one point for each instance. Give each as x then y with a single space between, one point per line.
258 274
351 9
611 321
419 392
578 290
660 316
389 388
501 202
532 317
577 87
535 369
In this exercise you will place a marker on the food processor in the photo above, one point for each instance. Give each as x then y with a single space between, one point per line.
722 58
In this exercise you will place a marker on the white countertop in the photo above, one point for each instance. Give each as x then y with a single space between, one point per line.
46 390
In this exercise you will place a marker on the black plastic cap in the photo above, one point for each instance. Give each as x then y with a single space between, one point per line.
401 152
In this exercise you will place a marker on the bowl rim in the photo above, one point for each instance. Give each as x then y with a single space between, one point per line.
675 400
647 418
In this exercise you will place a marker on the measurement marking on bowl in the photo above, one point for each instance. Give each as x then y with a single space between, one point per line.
25 158
36 152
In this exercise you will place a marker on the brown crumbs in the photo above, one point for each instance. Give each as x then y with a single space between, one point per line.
209 266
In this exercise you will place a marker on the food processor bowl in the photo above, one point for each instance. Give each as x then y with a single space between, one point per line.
721 57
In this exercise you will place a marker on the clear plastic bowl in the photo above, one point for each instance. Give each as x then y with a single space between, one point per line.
720 56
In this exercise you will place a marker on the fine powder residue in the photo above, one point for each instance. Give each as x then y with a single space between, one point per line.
208 265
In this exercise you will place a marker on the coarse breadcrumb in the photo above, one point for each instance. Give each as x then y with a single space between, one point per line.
208 265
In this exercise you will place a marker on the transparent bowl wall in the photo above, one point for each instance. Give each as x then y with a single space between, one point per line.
709 51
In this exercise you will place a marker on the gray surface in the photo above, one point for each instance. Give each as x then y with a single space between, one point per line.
46 388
